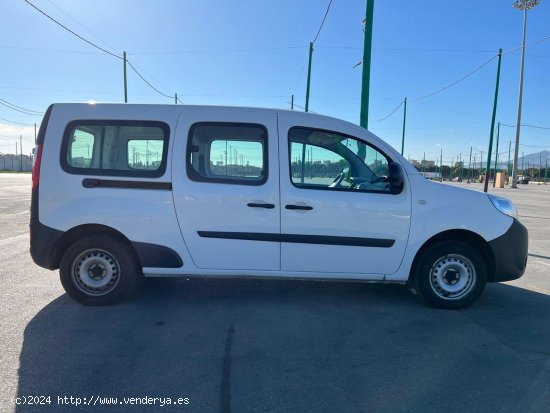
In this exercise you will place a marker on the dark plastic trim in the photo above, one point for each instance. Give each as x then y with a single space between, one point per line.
510 251
260 205
43 241
300 239
157 256
115 183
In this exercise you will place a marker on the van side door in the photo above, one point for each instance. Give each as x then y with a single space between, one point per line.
338 216
226 187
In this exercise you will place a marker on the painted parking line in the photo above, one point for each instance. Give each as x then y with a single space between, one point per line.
10 240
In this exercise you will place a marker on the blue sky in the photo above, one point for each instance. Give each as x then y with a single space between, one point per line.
254 53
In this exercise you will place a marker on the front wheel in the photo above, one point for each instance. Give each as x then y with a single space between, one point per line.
98 270
451 274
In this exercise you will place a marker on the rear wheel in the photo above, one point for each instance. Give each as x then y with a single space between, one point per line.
98 270
451 274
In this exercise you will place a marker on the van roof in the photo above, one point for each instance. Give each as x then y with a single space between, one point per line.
172 107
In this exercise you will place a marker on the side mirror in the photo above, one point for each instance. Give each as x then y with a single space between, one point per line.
396 178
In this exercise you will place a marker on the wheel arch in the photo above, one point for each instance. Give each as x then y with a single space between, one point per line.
466 236
82 231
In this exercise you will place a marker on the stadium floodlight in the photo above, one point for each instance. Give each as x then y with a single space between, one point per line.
523 5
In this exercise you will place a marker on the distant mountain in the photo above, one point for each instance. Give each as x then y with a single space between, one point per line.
533 160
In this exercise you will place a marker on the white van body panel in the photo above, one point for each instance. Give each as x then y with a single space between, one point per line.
208 206
439 207
172 218
66 204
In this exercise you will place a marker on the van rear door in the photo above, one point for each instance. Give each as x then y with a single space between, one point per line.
226 187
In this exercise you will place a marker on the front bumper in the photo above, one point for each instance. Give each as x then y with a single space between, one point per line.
510 252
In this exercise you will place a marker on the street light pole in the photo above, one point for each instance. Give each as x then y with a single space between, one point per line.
524 5
404 122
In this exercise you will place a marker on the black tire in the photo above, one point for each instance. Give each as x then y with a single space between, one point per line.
99 270
450 274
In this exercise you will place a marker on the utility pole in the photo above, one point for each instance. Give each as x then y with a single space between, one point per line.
441 166
487 172
404 122
508 164
35 133
480 163
540 164
292 102
309 75
125 84
522 157
521 5
176 98
496 157
470 166
20 153
367 52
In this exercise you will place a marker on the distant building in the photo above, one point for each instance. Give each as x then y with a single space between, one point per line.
418 164
431 175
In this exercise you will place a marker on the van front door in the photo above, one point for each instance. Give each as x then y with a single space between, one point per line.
338 216
226 187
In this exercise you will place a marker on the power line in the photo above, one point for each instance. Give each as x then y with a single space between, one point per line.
455 82
475 70
79 23
73 33
145 80
252 49
149 74
20 109
97 47
526 125
527 45
19 123
301 107
400 49
391 113
323 22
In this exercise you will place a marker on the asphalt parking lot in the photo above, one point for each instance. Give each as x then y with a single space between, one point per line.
274 346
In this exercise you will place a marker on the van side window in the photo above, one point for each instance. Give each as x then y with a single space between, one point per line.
115 148
328 160
233 153
81 148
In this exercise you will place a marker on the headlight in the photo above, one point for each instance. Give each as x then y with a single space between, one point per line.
504 205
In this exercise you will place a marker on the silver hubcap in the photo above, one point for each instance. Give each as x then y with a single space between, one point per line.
452 276
95 272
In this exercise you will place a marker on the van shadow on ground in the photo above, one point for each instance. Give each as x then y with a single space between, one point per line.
249 346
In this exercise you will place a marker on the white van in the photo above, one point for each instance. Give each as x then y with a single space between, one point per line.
122 191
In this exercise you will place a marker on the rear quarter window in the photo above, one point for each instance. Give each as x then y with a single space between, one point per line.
115 148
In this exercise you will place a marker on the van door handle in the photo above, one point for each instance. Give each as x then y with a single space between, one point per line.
299 207
90 183
260 205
